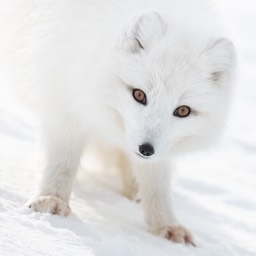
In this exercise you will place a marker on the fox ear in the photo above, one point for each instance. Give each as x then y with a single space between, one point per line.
144 29
222 58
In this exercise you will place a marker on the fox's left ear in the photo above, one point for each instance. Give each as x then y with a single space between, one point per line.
143 30
222 57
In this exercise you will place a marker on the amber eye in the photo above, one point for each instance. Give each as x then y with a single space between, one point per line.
182 111
139 96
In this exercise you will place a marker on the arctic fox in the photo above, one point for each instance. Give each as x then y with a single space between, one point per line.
151 79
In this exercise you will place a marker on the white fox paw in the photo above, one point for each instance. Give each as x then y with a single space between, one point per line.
50 204
176 233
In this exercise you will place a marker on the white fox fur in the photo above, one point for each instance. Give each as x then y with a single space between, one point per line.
77 62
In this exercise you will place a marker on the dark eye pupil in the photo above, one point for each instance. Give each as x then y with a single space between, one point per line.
139 96
183 111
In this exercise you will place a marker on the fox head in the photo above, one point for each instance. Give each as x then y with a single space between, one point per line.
171 86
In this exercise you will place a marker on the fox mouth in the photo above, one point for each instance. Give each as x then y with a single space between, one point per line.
143 157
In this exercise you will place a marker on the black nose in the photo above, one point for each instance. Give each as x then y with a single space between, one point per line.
146 149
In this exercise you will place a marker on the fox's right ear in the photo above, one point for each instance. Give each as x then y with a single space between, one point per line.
142 31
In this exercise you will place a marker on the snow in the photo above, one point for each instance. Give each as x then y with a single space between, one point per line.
214 192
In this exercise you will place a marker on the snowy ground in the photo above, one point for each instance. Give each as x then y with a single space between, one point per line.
214 192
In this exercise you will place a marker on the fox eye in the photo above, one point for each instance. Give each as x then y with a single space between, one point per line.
139 96
182 111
